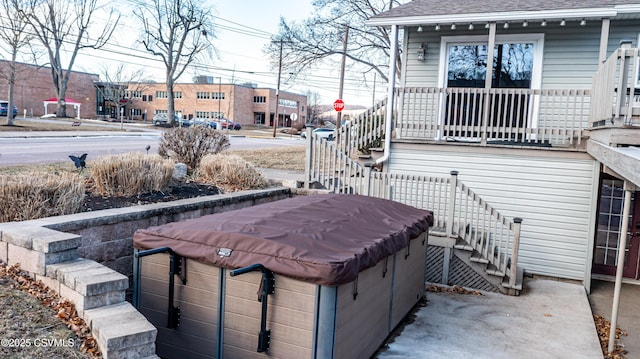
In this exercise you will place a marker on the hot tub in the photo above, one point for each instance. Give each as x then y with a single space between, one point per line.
323 276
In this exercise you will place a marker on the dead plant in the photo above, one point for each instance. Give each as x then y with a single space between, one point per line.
189 145
230 172
130 174
32 195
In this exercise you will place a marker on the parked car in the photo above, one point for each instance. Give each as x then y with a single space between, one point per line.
225 124
322 132
161 119
4 105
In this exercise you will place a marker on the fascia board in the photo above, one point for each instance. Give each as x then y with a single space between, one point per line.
500 16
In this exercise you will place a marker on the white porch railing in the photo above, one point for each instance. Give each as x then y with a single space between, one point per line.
458 211
616 89
365 131
493 116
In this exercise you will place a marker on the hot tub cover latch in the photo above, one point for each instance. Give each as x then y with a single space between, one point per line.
267 286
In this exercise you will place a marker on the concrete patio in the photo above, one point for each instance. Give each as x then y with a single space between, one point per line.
550 319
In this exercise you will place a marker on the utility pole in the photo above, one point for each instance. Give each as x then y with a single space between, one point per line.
219 99
373 102
275 118
344 58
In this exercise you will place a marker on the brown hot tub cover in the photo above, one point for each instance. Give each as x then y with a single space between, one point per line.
323 239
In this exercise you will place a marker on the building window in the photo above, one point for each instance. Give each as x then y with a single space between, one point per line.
217 95
259 118
136 112
160 112
161 94
150 98
144 97
133 94
259 99
177 94
203 95
288 103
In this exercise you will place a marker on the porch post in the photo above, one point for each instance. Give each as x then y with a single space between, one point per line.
308 161
390 92
604 40
451 208
622 245
487 81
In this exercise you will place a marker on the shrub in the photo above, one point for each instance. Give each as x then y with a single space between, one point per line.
190 144
130 174
230 172
34 195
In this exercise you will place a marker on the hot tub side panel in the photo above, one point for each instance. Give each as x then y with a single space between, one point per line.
198 301
356 328
408 279
290 317
362 324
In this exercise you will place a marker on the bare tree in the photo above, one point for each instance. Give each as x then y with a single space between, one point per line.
14 34
176 31
120 88
64 28
321 36
314 108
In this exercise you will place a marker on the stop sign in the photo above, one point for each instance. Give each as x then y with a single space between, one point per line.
338 105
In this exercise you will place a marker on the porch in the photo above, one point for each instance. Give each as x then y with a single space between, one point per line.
525 117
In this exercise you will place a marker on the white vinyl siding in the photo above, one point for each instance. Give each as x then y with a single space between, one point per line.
570 52
552 195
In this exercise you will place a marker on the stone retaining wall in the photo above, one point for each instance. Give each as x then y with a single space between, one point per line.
88 259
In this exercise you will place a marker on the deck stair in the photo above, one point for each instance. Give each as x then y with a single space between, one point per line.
487 270
475 232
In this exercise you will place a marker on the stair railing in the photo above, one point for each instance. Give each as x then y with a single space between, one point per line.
364 130
486 230
458 210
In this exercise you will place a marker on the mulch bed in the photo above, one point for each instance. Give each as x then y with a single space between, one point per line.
175 191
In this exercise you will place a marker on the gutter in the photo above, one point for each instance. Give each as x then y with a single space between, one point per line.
501 16
390 91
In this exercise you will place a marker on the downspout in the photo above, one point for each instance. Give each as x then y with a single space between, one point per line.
390 92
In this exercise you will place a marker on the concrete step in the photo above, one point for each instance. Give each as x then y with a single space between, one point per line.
88 284
88 277
122 332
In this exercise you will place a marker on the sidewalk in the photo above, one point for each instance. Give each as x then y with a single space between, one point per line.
601 299
550 319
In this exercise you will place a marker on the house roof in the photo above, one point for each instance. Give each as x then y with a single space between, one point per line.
423 12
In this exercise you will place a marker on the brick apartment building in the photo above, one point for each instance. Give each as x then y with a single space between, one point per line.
245 103
242 103
34 85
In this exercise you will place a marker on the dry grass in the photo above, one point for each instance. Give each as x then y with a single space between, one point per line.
32 194
286 158
230 172
130 174
34 312
55 167
53 125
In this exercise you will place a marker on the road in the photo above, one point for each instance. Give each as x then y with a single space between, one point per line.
48 149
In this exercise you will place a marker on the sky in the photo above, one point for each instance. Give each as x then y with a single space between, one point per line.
242 30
